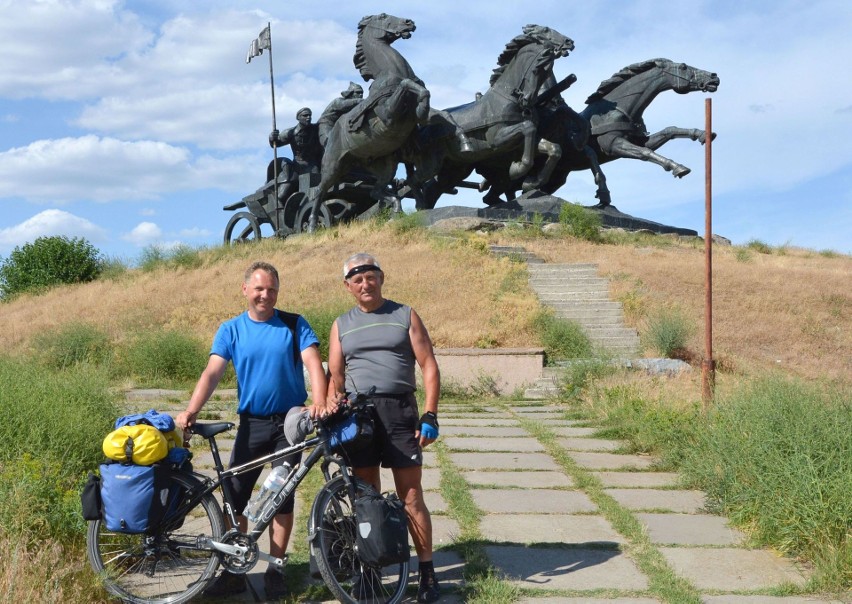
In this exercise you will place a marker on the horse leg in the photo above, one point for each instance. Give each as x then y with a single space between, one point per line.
461 135
621 147
554 154
331 174
384 169
603 195
506 136
658 139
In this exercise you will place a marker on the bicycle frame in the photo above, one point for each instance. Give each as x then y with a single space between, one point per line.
241 552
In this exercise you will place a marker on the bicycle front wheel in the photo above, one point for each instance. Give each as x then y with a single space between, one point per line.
166 566
333 548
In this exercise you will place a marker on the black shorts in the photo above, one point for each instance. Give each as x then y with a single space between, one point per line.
394 444
258 436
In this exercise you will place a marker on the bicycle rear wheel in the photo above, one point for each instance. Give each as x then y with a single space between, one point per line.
333 547
162 567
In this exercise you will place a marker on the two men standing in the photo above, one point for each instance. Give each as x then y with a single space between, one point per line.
377 343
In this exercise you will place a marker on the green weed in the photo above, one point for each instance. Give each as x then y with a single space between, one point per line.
72 344
668 332
161 357
562 339
580 222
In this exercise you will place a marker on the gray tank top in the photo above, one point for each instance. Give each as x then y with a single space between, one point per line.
377 349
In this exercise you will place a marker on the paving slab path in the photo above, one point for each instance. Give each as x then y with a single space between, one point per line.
555 541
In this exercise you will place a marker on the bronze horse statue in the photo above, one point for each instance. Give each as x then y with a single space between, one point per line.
369 134
502 121
615 126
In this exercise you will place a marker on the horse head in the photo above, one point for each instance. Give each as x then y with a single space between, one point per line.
386 27
685 78
373 52
552 40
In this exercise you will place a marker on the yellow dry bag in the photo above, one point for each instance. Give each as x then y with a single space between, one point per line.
140 444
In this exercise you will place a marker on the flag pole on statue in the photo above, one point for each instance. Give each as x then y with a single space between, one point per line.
264 41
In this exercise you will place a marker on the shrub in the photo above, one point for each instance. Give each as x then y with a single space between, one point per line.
165 355
49 261
561 339
582 223
668 332
759 246
72 344
180 256
321 319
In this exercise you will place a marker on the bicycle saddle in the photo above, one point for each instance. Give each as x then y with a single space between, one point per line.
208 430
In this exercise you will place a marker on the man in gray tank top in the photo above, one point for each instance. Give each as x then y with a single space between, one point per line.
377 343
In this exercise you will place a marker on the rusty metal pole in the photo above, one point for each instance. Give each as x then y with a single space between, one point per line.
708 365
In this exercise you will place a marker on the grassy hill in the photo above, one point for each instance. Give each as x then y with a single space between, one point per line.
778 308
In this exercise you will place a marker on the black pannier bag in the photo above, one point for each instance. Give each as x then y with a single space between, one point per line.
381 532
90 498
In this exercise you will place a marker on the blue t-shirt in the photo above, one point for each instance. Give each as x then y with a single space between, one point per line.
268 381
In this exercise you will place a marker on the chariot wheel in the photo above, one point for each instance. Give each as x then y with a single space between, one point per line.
304 215
242 227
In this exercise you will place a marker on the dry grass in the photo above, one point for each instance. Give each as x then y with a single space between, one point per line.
454 286
789 311
792 311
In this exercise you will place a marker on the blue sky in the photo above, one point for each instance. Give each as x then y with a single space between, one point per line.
133 123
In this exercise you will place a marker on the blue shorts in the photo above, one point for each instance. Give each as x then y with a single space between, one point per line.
256 437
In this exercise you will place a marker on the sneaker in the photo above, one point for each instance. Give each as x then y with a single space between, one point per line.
365 583
273 583
429 590
228 584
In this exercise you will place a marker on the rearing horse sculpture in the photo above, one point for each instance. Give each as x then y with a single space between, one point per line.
371 132
502 120
617 130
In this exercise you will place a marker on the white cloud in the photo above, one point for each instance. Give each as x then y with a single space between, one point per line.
50 223
144 233
108 169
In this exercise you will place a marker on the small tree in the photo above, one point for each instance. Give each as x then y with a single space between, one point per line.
49 261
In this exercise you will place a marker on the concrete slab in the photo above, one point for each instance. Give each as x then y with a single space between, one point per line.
646 480
476 421
435 502
536 409
524 479
487 431
543 416
590 444
573 431
688 502
468 414
610 461
501 461
449 567
540 501
585 600
690 529
732 599
730 569
444 531
475 443
550 568
550 528
430 460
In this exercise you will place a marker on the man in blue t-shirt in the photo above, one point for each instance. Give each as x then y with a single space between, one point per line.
270 382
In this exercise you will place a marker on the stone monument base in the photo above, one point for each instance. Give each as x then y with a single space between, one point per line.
536 203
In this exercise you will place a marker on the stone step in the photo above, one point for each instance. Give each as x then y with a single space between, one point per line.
579 288
570 296
600 306
569 268
609 331
562 280
592 321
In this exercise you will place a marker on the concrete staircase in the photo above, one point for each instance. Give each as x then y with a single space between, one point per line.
576 292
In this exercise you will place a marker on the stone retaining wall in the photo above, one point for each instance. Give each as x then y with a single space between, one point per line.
508 369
